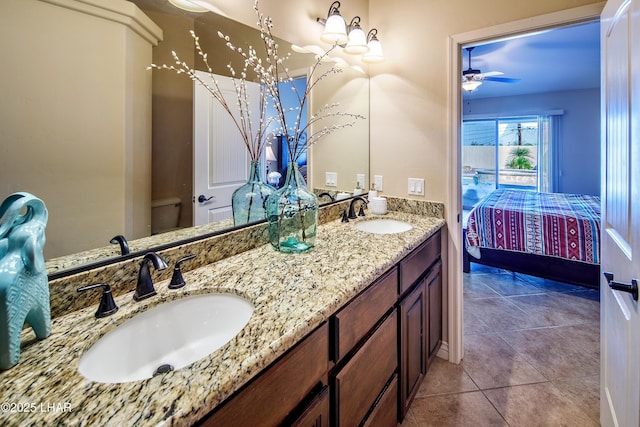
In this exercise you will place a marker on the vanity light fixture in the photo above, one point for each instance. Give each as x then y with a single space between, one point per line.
374 54
357 39
350 37
188 6
335 29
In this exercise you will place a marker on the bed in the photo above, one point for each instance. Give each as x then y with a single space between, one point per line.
550 235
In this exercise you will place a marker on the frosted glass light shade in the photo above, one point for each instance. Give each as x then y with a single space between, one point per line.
375 52
188 5
357 41
335 30
470 85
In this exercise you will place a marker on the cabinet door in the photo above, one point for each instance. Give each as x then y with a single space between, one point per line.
413 344
434 282
385 411
359 383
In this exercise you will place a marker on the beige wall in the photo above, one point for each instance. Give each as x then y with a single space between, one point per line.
73 112
409 105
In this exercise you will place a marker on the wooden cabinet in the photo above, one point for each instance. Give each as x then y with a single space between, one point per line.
282 389
358 384
413 344
420 309
365 350
364 366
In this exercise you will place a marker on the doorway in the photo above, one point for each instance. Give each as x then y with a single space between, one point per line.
454 215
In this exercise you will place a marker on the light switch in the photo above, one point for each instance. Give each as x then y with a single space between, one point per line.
360 181
415 186
331 179
377 182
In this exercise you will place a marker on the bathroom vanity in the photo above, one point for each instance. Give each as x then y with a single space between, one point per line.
338 335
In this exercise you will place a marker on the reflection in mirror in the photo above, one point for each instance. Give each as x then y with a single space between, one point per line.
104 142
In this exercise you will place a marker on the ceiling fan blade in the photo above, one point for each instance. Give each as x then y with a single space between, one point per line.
493 73
501 79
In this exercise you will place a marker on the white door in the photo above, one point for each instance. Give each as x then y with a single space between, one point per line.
221 161
620 321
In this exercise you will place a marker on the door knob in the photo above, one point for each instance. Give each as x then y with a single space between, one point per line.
624 287
202 198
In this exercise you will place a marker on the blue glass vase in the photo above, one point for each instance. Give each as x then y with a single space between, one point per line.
292 214
248 202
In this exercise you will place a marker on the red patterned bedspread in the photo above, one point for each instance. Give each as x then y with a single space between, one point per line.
552 224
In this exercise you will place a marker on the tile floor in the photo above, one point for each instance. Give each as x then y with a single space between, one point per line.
532 357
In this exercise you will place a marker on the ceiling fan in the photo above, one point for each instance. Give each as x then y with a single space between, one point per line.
472 78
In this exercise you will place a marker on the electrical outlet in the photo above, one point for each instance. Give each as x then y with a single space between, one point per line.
415 186
377 182
331 179
360 181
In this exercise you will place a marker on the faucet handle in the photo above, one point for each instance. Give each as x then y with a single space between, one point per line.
361 211
107 305
345 218
177 281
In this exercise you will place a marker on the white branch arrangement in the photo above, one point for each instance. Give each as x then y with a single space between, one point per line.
271 72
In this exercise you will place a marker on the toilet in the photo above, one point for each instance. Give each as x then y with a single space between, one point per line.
165 214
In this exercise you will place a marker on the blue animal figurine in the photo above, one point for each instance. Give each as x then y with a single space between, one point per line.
24 287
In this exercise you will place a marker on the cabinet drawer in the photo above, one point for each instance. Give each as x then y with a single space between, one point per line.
279 389
385 413
360 381
416 263
317 413
354 321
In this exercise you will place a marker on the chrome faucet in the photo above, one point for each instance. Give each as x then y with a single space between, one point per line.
352 211
144 288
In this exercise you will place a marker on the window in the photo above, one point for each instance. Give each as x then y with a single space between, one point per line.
509 152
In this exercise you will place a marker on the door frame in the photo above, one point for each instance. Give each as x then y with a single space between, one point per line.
454 214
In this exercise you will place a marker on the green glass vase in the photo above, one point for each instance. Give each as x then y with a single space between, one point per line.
292 214
248 202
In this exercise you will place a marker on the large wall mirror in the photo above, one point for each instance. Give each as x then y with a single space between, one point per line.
102 141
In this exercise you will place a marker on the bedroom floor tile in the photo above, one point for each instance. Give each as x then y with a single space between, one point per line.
531 358
499 314
507 284
559 309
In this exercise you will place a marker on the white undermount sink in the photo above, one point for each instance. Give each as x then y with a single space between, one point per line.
383 226
167 337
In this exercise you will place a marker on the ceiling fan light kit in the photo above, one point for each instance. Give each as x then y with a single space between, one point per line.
473 78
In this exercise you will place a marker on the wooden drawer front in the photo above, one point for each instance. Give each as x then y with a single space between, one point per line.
317 413
278 390
416 263
385 413
354 321
362 379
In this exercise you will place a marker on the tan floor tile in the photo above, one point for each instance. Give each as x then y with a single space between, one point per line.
492 363
455 410
537 405
559 309
498 314
562 352
583 392
509 284
474 325
443 378
475 286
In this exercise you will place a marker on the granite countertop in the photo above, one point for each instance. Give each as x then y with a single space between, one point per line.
292 295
